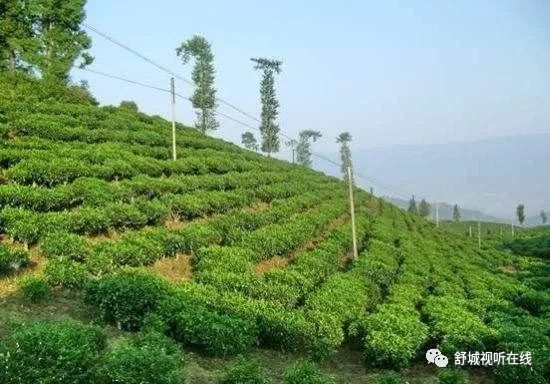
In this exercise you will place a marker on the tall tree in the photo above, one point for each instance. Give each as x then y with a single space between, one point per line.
412 206
249 141
345 153
16 32
268 126
204 97
303 149
520 212
59 40
424 208
543 217
292 143
456 213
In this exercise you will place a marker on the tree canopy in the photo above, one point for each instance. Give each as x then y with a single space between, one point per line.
270 105
303 149
204 97
344 139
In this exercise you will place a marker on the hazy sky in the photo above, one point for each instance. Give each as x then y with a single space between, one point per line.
388 72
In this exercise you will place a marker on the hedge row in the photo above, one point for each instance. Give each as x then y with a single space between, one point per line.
94 192
130 299
12 260
28 226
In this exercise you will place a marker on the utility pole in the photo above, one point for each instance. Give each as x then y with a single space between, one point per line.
352 212
479 235
512 225
173 92
470 230
437 215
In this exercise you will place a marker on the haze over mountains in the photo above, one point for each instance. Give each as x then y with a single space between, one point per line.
491 176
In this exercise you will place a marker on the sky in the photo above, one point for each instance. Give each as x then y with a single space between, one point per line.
390 73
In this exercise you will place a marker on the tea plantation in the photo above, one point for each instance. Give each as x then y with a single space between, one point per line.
98 223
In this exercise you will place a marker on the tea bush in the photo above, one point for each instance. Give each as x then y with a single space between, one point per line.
51 353
125 299
142 358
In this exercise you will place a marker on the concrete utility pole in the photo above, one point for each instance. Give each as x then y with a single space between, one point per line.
479 235
470 229
352 213
437 215
173 92
512 225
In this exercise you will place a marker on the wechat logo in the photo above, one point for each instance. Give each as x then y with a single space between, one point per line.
435 356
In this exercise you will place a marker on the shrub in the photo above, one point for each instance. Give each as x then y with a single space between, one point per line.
51 353
306 373
125 299
217 334
64 245
66 274
394 335
10 260
390 378
243 371
34 288
144 358
452 376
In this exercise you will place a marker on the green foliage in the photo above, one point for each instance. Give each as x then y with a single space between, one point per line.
204 97
51 353
217 334
538 246
452 376
143 358
249 141
34 288
268 126
65 273
424 208
129 105
65 246
412 206
243 371
127 298
12 260
520 212
395 334
344 140
456 213
306 373
390 378
303 149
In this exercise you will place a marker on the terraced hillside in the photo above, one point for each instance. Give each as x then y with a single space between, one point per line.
224 251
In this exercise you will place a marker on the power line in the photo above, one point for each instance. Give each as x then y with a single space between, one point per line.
163 68
371 180
122 79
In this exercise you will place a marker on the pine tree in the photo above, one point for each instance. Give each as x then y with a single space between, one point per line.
204 97
424 208
345 153
412 206
456 213
543 217
303 149
249 141
520 212
268 126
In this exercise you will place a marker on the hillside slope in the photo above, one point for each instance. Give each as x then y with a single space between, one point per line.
224 250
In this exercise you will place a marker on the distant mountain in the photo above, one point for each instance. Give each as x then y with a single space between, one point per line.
446 211
491 176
